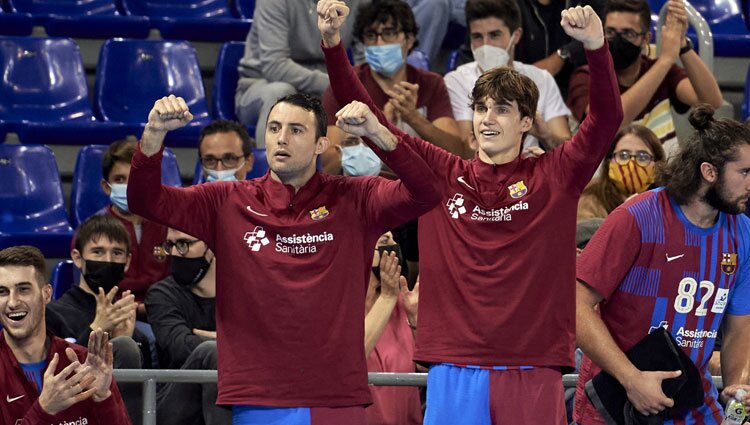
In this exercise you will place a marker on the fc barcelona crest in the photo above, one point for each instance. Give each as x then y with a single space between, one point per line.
728 263
319 213
517 189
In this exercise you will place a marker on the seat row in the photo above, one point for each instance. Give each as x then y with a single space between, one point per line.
44 95
32 208
197 20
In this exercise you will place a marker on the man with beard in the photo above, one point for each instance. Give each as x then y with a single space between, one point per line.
181 310
649 87
674 257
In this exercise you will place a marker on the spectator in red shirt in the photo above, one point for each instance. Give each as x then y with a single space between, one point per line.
390 322
646 83
414 100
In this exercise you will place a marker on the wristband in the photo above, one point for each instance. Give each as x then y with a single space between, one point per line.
688 46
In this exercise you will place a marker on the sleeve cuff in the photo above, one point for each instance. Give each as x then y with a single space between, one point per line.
598 56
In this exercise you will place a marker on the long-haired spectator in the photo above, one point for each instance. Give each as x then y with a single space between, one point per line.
630 168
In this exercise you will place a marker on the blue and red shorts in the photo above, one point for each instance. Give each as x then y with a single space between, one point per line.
260 415
494 395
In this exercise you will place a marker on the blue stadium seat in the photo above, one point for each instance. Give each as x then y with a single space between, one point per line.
452 63
15 23
84 18
32 211
746 99
64 276
198 20
133 74
244 8
43 93
731 33
225 82
2 132
260 167
87 196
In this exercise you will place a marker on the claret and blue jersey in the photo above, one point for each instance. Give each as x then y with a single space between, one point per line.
655 268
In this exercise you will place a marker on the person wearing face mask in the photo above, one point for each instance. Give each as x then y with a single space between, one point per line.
102 255
649 87
414 99
357 159
181 310
629 169
145 235
494 31
390 323
225 150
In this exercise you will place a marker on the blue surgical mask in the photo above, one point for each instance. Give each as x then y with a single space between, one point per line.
385 59
359 160
221 175
119 195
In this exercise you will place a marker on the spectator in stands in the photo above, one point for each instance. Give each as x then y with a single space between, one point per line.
674 258
225 150
181 311
390 322
144 268
415 100
649 87
544 44
628 169
101 253
47 379
494 30
280 59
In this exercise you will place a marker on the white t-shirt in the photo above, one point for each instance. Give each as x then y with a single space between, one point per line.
461 82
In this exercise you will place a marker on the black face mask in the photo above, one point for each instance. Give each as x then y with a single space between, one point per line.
624 53
382 250
189 271
102 274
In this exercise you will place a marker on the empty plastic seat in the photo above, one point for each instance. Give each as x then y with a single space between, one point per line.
64 276
260 167
244 8
225 79
43 93
225 82
32 211
15 23
204 20
87 196
133 74
84 18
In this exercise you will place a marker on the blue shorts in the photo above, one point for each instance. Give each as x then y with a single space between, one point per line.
262 415
494 396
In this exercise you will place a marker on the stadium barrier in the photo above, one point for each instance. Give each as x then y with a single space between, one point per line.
149 378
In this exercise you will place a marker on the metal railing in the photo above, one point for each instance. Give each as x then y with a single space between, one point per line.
705 45
149 378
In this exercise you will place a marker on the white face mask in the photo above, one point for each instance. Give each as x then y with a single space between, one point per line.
490 57
222 175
